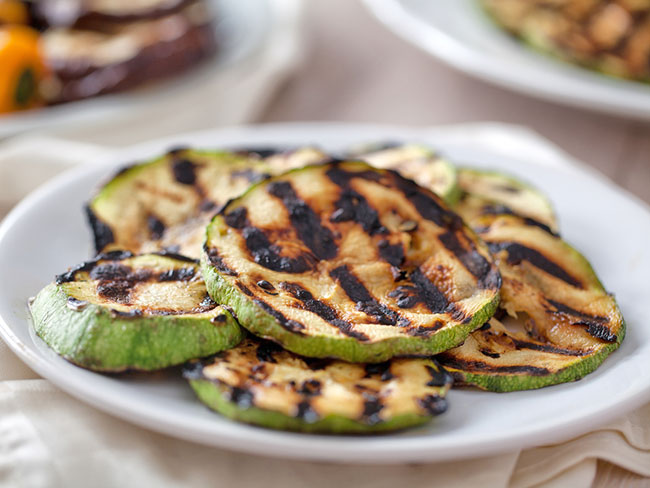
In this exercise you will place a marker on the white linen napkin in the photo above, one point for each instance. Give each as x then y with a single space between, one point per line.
50 439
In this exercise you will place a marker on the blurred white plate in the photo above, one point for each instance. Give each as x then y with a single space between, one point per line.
47 233
243 29
459 33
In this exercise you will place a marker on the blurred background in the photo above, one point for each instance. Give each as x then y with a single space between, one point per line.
286 60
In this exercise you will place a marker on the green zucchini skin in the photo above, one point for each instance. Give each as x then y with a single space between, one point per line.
259 383
263 324
216 397
261 319
550 350
103 338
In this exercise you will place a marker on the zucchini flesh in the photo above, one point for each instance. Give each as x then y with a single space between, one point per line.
571 323
348 261
166 204
258 382
420 164
493 193
123 312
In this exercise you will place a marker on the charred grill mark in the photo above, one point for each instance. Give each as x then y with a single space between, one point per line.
406 296
178 274
372 407
429 294
490 354
380 369
156 227
498 209
519 344
245 290
266 350
365 302
421 331
306 413
316 364
118 291
176 256
481 367
219 319
184 171
322 309
307 224
353 207
472 260
433 405
427 204
290 325
595 324
217 261
342 178
392 253
207 206
237 218
241 397
102 233
439 377
267 255
89 265
518 253
310 388
110 271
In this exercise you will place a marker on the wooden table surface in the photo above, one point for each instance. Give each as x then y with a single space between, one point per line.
357 70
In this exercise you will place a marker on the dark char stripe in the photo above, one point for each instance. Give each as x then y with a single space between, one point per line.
427 204
319 239
429 294
184 171
473 261
102 233
595 324
518 253
290 325
267 255
353 207
322 309
504 210
546 348
481 367
156 227
217 261
365 302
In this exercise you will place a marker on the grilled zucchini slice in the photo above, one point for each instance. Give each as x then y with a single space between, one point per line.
122 312
420 164
494 193
347 261
165 204
259 383
572 323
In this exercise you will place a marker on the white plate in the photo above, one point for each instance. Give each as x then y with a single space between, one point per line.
242 29
459 33
47 233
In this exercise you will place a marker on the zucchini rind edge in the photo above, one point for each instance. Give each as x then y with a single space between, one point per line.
121 312
347 261
259 383
570 323
416 162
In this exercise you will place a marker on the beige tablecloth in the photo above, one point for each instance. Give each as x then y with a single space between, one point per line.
49 439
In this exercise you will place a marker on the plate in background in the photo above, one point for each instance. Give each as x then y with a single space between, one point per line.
243 30
460 34
47 233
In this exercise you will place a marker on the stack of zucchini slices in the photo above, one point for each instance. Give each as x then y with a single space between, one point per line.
310 293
